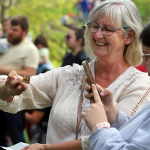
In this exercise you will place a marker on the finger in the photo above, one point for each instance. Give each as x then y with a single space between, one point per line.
88 88
105 92
12 73
96 95
89 95
25 148
87 81
83 114
24 86
99 88
16 80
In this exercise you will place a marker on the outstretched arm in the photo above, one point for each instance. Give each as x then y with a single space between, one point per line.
72 145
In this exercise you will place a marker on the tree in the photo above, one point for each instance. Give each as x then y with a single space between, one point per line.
5 4
44 16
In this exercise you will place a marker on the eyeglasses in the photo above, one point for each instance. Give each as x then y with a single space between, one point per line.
145 57
68 37
107 30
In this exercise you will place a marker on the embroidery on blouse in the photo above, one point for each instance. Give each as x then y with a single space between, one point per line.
75 75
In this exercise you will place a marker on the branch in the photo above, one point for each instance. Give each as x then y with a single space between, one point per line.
4 3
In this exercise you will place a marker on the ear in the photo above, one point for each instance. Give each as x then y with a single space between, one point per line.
129 37
25 31
80 40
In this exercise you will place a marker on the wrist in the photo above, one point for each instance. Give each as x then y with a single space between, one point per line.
112 113
47 146
4 95
101 125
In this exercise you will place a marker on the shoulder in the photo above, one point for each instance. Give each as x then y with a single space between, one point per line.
83 56
68 55
131 79
136 75
28 45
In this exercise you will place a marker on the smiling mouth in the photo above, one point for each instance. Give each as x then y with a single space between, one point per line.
101 44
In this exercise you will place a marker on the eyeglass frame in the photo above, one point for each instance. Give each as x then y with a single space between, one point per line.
144 56
102 29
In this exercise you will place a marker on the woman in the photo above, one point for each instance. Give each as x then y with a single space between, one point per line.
135 133
111 35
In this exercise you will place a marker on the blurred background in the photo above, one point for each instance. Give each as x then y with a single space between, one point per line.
45 17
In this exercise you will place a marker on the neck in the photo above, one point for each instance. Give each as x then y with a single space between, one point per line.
109 70
76 50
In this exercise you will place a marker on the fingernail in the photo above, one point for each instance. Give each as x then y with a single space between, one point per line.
102 93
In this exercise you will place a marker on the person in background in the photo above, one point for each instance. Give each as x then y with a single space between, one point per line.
6 26
22 56
96 3
44 63
3 45
75 42
85 9
1 30
112 41
66 19
133 133
79 10
141 68
39 121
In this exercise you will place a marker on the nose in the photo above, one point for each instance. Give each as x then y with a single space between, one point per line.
99 33
10 31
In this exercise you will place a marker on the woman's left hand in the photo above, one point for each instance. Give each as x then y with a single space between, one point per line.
36 146
96 113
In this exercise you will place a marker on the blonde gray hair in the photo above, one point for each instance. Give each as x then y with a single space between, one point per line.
127 15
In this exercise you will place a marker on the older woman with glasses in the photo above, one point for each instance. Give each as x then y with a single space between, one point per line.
111 39
133 134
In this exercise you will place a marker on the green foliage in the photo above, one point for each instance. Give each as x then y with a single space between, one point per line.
144 9
45 17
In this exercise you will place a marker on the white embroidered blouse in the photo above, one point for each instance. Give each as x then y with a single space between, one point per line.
61 88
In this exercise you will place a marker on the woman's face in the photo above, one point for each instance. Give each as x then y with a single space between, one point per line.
111 47
146 50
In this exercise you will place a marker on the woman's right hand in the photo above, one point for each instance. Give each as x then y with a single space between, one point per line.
13 86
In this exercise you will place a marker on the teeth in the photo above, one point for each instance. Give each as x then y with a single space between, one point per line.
102 44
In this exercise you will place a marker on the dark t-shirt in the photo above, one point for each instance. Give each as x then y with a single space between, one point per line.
78 59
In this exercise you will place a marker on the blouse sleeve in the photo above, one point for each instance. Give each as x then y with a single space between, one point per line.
112 139
40 93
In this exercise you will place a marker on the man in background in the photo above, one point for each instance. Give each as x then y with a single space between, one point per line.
6 25
75 42
21 56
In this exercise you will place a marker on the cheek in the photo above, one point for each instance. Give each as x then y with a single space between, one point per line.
148 66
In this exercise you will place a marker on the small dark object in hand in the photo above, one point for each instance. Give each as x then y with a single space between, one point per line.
26 79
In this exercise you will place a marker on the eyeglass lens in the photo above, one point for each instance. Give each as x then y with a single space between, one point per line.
145 58
107 30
